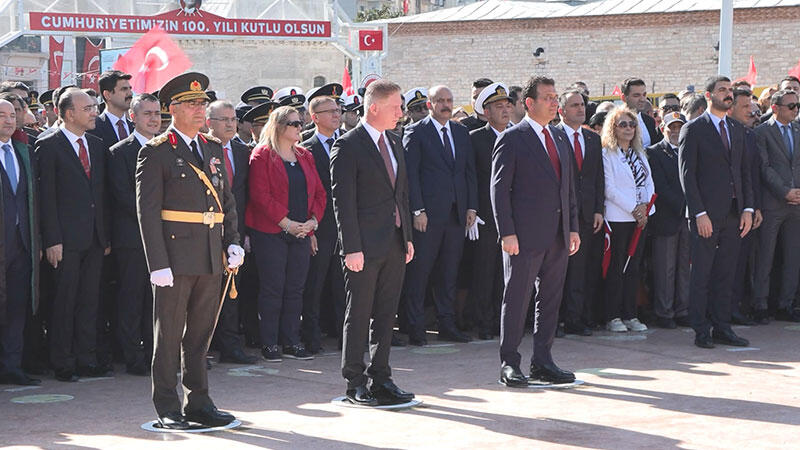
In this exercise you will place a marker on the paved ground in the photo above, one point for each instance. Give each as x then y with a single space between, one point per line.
654 390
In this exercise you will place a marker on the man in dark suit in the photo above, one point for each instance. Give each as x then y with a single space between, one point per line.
370 201
669 229
486 291
778 142
72 171
134 295
221 121
533 197
715 176
634 94
113 124
583 270
19 246
325 266
187 216
443 197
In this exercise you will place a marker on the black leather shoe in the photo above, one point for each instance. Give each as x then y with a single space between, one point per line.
209 416
560 331
173 421
453 335
361 396
550 373
683 322
740 319
761 316
512 377
95 371
397 341
417 340
729 338
387 393
18 377
788 315
576 328
666 322
703 341
66 375
237 356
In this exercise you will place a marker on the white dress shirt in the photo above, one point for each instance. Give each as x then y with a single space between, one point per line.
375 135
13 157
537 129
140 137
189 141
646 140
324 140
571 135
439 126
73 139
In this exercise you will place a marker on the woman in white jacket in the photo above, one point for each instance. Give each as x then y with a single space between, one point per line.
629 186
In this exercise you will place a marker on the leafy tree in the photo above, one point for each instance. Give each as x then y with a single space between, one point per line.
384 12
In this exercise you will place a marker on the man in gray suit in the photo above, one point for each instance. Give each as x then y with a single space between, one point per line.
778 141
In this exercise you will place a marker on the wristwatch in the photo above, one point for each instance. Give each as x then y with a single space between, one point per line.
418 212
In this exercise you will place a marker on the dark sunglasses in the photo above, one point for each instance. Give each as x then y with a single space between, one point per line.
624 124
791 105
754 114
295 123
671 108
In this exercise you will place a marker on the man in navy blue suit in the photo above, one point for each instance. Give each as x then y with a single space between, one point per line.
443 198
533 197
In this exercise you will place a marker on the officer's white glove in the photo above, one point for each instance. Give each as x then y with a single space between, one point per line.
472 232
235 256
162 277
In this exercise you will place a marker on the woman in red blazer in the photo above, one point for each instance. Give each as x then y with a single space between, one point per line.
285 204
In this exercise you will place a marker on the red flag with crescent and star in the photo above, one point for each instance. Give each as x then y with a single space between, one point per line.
370 40
152 61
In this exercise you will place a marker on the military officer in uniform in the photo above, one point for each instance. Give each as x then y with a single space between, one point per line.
257 95
416 104
187 216
258 117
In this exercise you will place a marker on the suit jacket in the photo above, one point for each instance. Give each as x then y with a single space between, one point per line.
590 180
527 197
483 140
122 186
670 204
105 130
165 181
652 129
472 122
710 175
621 196
780 169
327 226
240 188
755 167
435 181
363 199
73 207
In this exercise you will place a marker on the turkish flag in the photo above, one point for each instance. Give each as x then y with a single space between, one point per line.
606 248
56 62
795 71
152 61
370 40
617 91
347 82
751 74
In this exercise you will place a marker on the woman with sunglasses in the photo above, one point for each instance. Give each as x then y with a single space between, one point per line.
629 186
285 205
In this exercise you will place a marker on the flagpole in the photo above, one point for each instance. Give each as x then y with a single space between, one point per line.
725 38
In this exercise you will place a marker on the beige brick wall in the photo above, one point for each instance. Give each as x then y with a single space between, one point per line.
668 50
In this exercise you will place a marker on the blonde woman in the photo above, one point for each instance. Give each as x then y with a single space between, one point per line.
286 201
629 186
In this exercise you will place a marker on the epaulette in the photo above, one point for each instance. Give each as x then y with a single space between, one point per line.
211 138
158 140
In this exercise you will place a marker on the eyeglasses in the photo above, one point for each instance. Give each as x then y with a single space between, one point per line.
791 105
88 108
332 111
630 124
295 123
671 108
195 103
224 119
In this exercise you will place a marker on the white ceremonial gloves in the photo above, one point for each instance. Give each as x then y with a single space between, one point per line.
472 232
235 256
162 277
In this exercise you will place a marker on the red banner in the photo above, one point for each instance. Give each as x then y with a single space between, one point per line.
88 55
179 21
370 40
56 62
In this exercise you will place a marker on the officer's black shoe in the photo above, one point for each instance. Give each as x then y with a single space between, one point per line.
173 421
209 416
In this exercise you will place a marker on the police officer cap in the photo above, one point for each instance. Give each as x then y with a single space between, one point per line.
353 103
334 90
289 96
260 94
46 98
241 109
260 113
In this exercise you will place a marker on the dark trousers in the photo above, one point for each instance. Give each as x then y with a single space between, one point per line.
227 338
741 298
324 270
282 269
621 287
184 317
486 292
372 298
438 251
73 325
520 272
134 306
583 275
671 274
35 353
247 285
18 296
107 313
713 267
781 226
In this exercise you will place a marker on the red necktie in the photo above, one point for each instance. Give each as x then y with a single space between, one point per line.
121 130
387 161
84 157
724 135
552 152
578 152
228 166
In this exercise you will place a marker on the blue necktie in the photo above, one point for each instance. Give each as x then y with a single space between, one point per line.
11 171
787 139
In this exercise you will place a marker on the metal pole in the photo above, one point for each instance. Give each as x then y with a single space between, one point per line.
725 38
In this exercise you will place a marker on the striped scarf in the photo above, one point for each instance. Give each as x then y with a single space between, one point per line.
638 169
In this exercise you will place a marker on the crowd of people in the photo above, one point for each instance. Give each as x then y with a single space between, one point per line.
667 212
